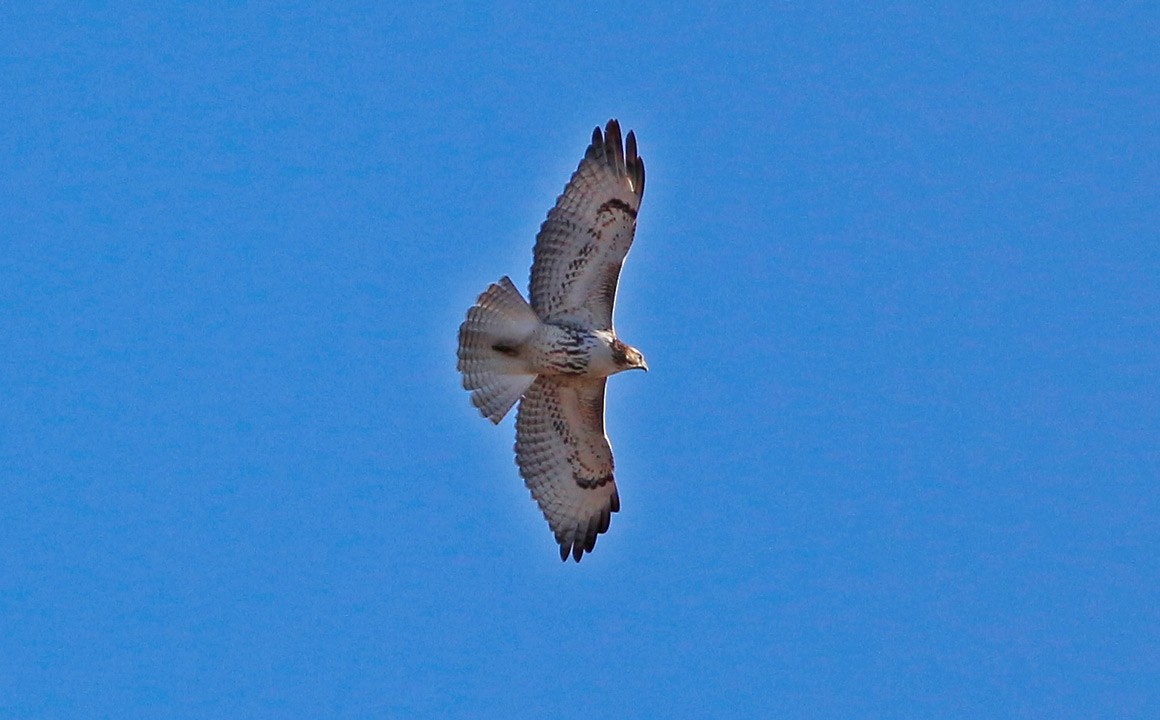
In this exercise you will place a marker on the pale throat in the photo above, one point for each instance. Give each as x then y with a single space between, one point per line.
601 362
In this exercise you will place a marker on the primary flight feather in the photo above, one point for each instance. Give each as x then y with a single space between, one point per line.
555 353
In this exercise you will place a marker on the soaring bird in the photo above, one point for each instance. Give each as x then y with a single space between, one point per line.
555 352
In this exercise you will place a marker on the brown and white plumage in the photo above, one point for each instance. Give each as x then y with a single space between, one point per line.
555 353
581 246
565 459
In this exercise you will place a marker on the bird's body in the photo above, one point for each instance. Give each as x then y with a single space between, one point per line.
553 355
561 350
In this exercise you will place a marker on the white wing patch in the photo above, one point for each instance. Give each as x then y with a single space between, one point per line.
565 459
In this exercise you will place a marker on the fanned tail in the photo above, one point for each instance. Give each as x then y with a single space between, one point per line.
490 344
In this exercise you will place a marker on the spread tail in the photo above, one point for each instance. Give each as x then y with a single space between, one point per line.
490 341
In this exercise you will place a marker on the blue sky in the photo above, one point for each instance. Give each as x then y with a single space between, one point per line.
896 277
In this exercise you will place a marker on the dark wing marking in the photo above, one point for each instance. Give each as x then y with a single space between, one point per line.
566 461
581 246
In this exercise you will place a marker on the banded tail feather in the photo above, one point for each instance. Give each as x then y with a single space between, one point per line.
490 341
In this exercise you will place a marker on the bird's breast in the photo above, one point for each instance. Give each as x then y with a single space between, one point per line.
562 350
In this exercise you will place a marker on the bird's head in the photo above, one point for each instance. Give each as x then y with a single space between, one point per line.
627 357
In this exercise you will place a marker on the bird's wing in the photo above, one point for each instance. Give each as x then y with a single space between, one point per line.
565 459
581 246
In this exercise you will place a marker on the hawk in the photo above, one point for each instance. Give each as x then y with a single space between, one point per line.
554 352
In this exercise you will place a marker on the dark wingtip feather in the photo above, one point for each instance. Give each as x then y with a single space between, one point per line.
591 533
634 164
605 520
640 175
595 150
608 148
614 146
612 130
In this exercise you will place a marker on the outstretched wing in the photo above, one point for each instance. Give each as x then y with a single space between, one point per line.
565 459
582 244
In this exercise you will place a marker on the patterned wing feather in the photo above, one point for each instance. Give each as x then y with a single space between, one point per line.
565 459
581 246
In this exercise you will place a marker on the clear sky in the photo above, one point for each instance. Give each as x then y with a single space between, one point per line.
897 277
